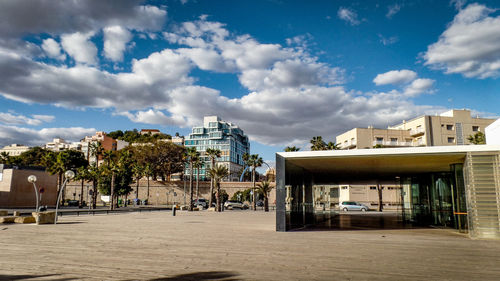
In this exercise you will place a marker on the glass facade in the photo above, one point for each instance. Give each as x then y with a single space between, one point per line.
465 195
225 136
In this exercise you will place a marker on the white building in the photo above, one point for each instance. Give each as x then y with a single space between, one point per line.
14 149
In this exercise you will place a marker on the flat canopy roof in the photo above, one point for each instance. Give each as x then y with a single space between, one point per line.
376 163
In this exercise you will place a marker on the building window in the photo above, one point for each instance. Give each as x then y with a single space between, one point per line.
451 140
345 187
449 127
394 139
475 128
379 139
373 188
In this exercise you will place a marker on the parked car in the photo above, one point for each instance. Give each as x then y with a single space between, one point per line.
201 202
353 206
260 203
73 203
234 204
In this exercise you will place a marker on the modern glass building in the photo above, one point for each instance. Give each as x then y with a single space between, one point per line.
445 186
222 135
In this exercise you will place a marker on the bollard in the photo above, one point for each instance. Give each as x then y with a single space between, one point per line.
173 210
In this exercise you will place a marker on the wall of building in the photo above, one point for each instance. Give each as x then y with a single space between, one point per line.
17 192
161 193
493 133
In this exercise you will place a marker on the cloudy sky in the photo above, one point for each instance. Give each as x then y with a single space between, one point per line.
284 71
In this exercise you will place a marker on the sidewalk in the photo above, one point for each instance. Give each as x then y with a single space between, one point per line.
234 245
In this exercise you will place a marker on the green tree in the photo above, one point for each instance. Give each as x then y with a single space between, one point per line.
5 158
213 154
332 146
291 149
191 155
217 173
317 143
59 162
116 175
477 138
197 164
138 172
253 161
265 188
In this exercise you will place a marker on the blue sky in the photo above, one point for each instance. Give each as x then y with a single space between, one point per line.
284 71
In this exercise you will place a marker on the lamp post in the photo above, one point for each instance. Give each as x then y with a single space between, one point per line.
68 175
32 179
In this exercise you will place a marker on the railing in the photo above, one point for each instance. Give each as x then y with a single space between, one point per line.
348 144
417 131
392 143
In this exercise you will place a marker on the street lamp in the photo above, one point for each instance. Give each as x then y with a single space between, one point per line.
32 179
68 175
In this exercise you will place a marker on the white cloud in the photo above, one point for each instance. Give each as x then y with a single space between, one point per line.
470 45
115 41
458 4
17 119
395 77
79 46
348 15
14 134
53 49
293 93
419 86
23 17
392 10
388 41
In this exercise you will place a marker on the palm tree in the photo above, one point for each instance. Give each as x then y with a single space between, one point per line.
4 158
112 166
138 171
96 150
192 155
253 161
291 149
317 143
264 188
83 174
217 173
332 146
197 164
213 154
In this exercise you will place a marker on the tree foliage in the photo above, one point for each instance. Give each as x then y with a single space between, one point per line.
135 136
477 138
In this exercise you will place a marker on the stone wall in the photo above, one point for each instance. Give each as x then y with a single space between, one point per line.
161 193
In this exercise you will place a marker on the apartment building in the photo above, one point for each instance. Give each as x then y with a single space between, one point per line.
14 149
449 128
108 143
59 144
225 136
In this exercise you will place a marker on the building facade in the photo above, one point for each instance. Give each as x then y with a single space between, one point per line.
222 135
445 186
449 128
14 149
59 144
108 144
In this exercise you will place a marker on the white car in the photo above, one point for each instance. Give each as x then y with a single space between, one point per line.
233 204
353 206
200 203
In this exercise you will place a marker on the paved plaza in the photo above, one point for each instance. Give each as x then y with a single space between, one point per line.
234 245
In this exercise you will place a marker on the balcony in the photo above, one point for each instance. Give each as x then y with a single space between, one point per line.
348 144
392 143
417 132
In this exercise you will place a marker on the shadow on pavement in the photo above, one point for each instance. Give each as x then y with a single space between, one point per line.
27 277
209 275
